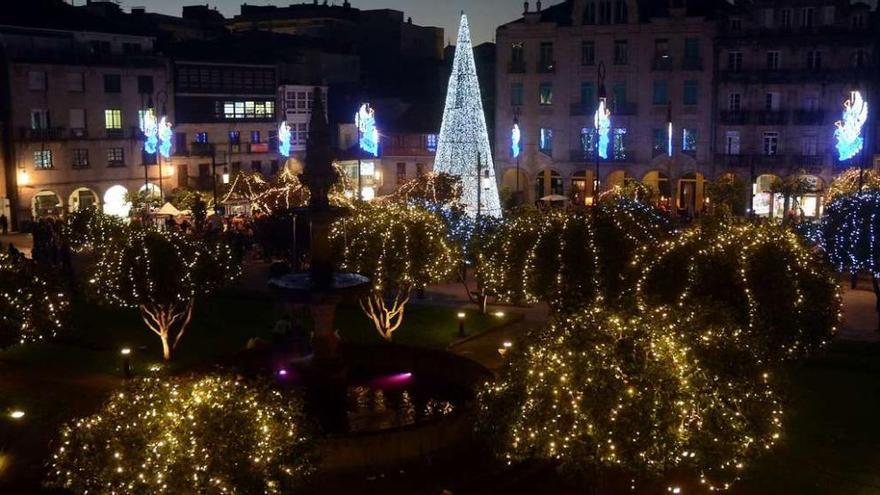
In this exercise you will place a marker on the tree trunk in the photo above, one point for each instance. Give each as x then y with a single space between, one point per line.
386 314
876 283
169 322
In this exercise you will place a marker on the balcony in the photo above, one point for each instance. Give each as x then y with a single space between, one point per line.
662 62
546 67
115 133
732 160
771 117
763 160
734 117
809 117
692 63
201 149
516 67
582 156
45 134
79 133
807 161
625 108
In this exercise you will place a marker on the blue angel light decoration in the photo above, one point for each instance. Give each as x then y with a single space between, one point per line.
284 139
602 121
849 129
515 140
165 136
150 128
365 120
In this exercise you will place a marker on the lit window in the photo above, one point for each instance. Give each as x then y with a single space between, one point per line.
545 96
202 137
545 141
588 142
689 141
771 143
432 142
115 157
43 159
113 118
620 149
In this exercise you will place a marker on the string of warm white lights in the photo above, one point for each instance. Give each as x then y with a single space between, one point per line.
186 435
32 305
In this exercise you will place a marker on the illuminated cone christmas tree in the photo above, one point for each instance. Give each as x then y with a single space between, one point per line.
463 145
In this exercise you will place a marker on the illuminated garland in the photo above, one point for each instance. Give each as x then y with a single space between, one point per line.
849 232
171 436
399 247
284 192
568 258
774 288
32 305
630 396
161 274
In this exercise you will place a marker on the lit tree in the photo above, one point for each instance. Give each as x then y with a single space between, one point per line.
627 397
849 235
847 183
33 304
774 287
728 195
91 229
463 138
212 434
569 258
440 189
162 275
400 248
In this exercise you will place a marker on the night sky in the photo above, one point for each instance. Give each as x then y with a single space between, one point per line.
484 15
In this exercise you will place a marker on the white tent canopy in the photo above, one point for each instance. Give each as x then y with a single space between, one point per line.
168 209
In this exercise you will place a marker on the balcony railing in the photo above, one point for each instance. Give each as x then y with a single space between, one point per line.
807 161
45 134
546 66
732 160
582 155
201 149
661 62
115 133
764 160
772 117
809 117
734 117
79 133
517 67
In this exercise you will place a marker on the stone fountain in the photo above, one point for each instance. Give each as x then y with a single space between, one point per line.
321 289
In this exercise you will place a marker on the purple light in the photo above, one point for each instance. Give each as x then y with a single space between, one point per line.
394 380
282 372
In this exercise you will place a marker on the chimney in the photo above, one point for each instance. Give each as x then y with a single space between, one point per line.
525 7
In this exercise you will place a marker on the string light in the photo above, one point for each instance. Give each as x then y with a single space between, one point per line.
849 232
33 304
164 435
463 136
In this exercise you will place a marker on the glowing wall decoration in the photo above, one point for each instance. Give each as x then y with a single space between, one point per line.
284 139
669 139
602 122
515 140
150 128
463 136
115 202
849 129
365 120
165 137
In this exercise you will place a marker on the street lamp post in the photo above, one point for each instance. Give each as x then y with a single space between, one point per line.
600 107
161 98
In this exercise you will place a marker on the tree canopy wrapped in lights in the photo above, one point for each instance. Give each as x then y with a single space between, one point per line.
212 434
91 229
33 304
847 183
629 397
849 235
775 288
569 258
162 275
434 187
399 247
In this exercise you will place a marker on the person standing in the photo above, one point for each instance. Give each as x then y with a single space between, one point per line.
4 224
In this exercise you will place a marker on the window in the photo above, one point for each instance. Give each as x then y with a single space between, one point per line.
659 141
771 143
545 141
734 61
587 95
858 21
588 142
516 94
808 145
145 85
202 137
80 158
234 137
734 102
689 141
37 80
590 12
248 109
302 134
545 93
785 18
131 48
731 143
661 93
112 118
811 103
112 83
545 56
771 101
517 53
604 11
431 142
692 49
588 53
736 25
621 52
43 159
691 93
618 95
814 59
809 16
255 136
619 149
39 118
115 157
401 173
661 48
76 82
621 12
859 58
773 57
77 120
